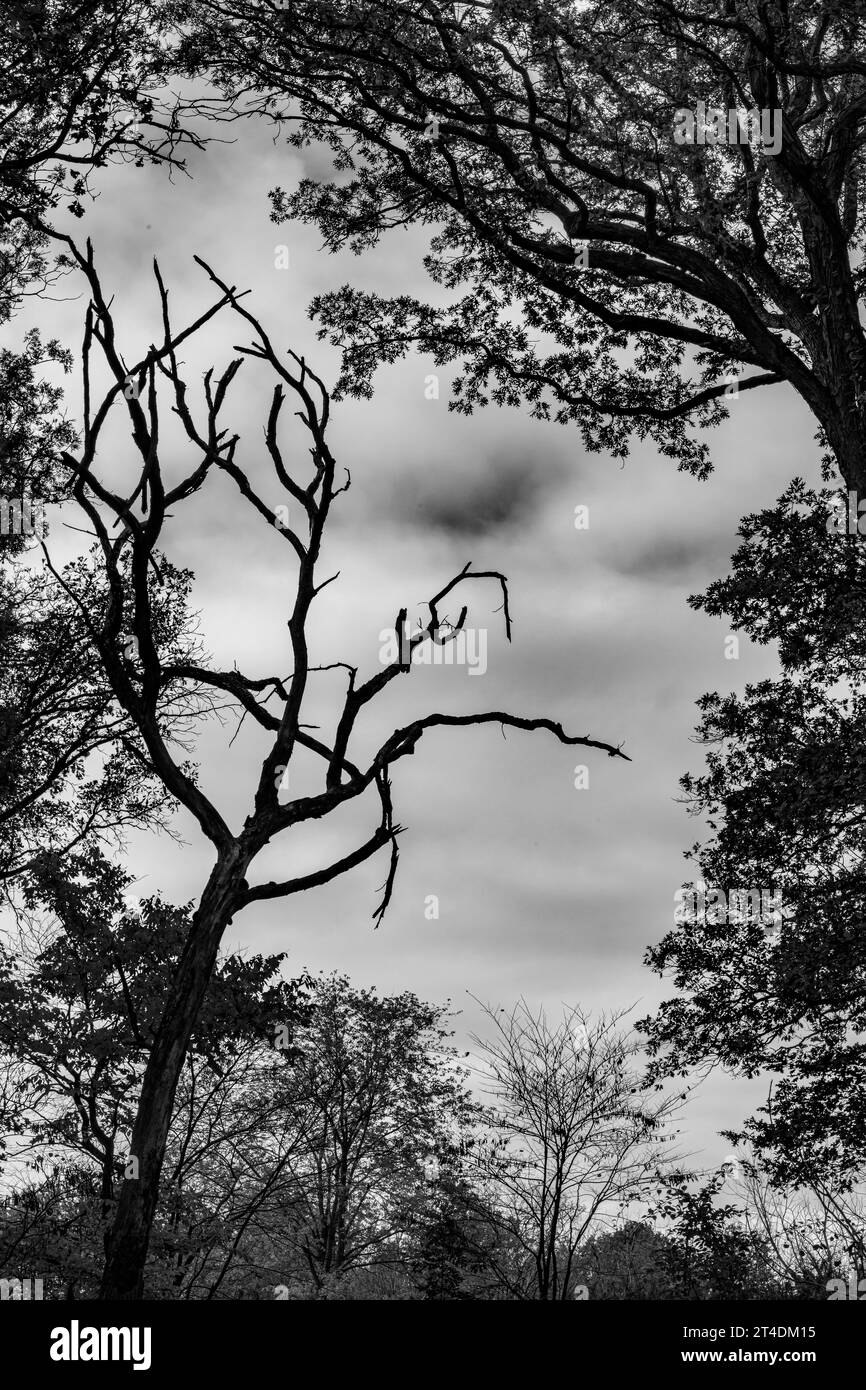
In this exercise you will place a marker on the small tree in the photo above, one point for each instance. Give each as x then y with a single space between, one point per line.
80 1002
373 1095
629 1262
458 1238
710 1252
573 1139
229 1196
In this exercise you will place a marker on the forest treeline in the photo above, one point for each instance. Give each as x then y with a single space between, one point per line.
328 1142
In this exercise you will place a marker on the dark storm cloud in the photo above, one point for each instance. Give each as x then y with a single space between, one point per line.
471 497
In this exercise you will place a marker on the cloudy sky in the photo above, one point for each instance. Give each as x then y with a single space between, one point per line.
545 891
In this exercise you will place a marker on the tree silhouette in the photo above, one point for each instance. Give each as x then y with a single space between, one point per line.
783 992
544 145
145 674
573 1136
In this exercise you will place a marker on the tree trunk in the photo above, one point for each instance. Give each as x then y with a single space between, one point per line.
847 438
123 1276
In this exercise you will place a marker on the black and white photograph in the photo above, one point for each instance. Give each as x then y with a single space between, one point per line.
432 675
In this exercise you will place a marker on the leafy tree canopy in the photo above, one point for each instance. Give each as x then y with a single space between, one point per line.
783 798
601 267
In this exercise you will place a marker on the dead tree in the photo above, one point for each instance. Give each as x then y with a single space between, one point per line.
129 529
